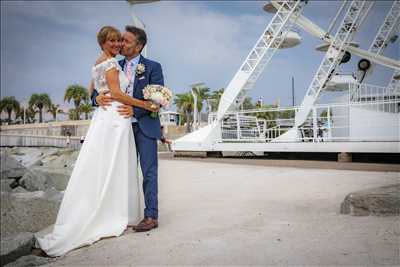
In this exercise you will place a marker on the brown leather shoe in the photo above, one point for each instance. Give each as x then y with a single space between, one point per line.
141 222
146 225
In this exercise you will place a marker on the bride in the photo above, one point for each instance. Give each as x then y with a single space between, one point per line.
102 195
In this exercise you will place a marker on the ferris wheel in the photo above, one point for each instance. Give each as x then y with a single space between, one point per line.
231 124
136 21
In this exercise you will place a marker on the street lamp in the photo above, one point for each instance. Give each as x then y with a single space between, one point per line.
195 112
136 21
24 107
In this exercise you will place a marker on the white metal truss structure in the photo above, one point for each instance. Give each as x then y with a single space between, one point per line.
316 31
388 29
347 30
394 83
368 121
261 54
389 25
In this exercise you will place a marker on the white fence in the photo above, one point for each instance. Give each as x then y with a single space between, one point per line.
370 113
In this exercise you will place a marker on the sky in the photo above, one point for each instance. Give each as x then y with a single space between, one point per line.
48 45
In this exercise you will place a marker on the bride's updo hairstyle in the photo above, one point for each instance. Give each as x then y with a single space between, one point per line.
107 33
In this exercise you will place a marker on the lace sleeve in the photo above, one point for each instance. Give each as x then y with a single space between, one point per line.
112 63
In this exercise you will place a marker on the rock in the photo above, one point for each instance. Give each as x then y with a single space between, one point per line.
19 189
383 200
41 178
5 185
29 260
9 167
62 158
28 155
28 212
15 246
34 181
16 151
37 163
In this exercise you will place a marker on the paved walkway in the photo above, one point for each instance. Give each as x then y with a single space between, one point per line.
232 214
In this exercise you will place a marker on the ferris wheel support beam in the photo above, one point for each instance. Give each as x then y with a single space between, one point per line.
315 30
348 28
136 21
259 57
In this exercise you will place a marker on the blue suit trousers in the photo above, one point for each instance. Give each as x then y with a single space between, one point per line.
146 148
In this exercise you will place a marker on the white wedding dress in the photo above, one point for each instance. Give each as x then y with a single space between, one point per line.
102 195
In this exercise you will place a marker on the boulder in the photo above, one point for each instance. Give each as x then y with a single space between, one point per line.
33 181
383 200
5 185
19 189
15 246
10 168
28 212
62 158
40 178
30 260
29 156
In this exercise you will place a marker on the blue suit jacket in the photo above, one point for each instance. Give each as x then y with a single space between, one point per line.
151 127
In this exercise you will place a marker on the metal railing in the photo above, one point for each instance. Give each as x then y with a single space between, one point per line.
372 113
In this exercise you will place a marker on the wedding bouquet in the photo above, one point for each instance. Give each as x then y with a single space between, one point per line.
159 94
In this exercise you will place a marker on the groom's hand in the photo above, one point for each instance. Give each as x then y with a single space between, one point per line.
103 100
125 110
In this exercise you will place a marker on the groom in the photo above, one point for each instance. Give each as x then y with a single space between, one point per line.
146 129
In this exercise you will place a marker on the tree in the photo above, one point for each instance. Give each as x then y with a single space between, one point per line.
54 110
86 108
269 116
40 101
72 114
29 113
185 105
216 97
77 94
324 116
9 104
203 93
247 104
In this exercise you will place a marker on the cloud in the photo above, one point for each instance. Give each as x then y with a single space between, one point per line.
198 44
48 45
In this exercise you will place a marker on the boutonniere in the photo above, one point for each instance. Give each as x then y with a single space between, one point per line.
140 69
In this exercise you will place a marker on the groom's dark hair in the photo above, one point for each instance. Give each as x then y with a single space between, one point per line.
139 33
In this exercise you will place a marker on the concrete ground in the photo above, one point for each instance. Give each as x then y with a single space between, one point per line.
234 214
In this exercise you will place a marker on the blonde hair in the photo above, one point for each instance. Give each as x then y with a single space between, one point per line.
106 33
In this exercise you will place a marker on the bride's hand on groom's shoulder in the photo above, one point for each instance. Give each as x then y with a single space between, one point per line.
103 100
125 110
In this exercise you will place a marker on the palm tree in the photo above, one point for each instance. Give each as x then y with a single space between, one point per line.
86 108
203 93
30 114
78 94
40 101
269 116
9 104
185 102
72 114
247 104
54 110
216 97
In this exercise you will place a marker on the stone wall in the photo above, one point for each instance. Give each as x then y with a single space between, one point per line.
76 128
55 134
